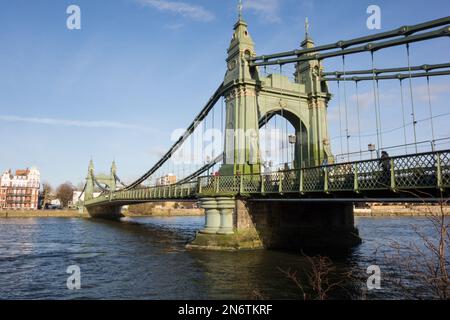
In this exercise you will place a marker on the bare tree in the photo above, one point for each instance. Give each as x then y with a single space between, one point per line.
47 194
65 193
321 278
80 186
425 263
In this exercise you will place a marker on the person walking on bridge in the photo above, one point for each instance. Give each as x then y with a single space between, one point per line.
385 164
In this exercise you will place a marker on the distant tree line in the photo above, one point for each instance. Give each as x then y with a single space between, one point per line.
64 193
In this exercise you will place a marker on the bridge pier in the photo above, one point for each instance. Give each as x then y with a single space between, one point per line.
220 232
226 207
110 212
232 224
299 225
212 216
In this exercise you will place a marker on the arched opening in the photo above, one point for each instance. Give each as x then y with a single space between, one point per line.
283 142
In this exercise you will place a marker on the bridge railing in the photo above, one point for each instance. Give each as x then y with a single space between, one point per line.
175 191
419 171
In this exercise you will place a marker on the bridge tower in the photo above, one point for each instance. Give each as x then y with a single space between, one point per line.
307 74
112 179
105 182
241 154
252 98
89 191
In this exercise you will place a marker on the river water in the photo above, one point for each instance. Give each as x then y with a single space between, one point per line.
145 258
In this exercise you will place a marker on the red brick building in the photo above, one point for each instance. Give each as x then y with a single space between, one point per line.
21 190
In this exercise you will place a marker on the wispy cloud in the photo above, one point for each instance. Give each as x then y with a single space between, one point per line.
435 91
268 10
74 123
392 96
174 26
187 10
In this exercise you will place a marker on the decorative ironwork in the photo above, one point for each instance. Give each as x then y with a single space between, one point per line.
409 172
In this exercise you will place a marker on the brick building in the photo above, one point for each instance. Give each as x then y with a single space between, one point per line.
20 190
166 180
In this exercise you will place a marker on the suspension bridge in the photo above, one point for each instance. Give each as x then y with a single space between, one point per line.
258 156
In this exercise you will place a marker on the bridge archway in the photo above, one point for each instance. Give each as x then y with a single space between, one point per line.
283 141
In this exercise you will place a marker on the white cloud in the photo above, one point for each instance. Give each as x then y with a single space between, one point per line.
174 26
307 5
187 10
366 99
73 123
268 10
435 91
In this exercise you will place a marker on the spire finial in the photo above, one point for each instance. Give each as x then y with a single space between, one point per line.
306 27
240 9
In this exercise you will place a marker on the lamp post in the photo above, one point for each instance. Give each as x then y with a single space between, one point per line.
292 141
371 148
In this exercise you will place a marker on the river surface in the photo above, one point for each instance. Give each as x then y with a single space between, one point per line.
145 258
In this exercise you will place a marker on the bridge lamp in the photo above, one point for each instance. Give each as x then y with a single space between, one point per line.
292 140
371 148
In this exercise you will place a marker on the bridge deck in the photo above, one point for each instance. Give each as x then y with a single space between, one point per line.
424 175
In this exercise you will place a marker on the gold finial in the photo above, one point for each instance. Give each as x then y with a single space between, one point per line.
306 27
240 9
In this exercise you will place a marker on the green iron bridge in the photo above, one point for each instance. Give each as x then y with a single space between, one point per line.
418 177
236 187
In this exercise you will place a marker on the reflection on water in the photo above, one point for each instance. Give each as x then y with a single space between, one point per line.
145 258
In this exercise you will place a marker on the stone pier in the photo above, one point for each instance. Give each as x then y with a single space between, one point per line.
232 224
221 231
110 212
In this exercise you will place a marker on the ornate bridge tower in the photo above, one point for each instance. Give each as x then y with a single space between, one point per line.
241 154
89 191
252 98
109 181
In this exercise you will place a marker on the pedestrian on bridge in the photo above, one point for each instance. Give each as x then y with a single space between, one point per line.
385 166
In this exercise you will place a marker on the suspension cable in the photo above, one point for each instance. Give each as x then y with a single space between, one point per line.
340 117
104 189
403 115
413 114
375 96
82 191
300 144
283 146
276 130
426 67
346 111
401 127
215 97
203 128
266 137
222 126
119 181
431 112
213 135
266 129
380 123
359 119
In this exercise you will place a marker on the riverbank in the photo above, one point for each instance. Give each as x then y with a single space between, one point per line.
165 213
42 214
77 214
373 211
401 211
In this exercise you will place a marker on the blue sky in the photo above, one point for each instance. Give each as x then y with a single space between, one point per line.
138 69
